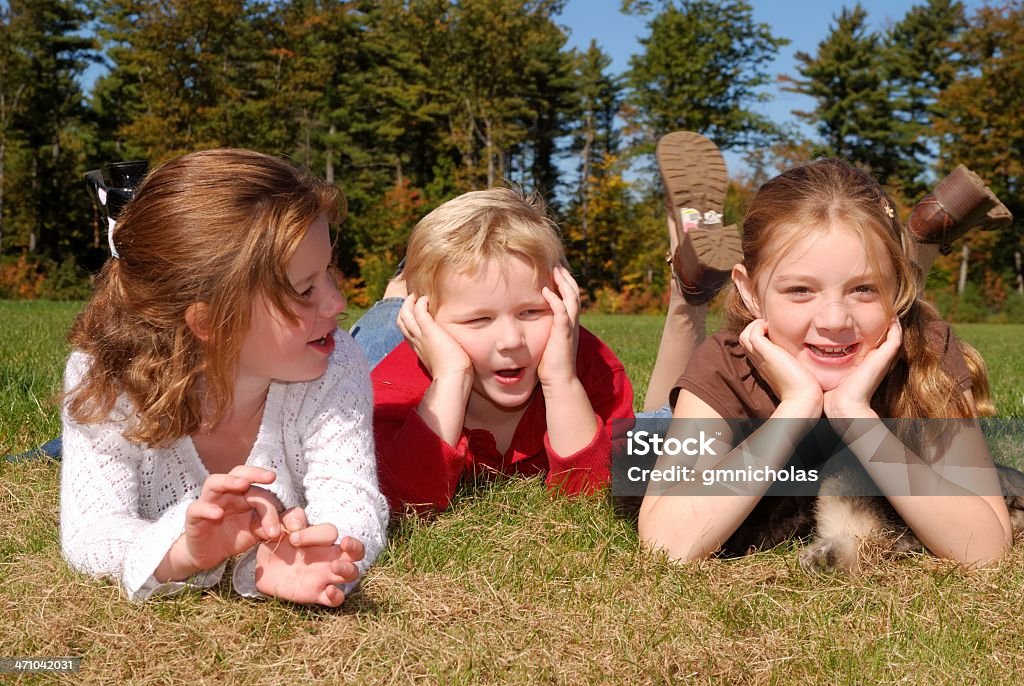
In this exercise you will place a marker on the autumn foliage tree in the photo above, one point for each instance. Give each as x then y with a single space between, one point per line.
981 126
405 103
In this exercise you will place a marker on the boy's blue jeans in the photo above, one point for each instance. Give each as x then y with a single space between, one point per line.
376 332
663 412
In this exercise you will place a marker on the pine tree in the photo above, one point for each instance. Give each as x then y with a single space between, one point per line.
853 115
181 76
920 63
595 140
42 113
14 82
550 98
502 80
702 68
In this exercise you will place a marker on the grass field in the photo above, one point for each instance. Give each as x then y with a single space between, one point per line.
511 586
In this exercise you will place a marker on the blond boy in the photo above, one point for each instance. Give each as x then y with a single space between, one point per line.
495 375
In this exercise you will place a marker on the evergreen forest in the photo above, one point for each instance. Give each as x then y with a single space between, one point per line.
405 103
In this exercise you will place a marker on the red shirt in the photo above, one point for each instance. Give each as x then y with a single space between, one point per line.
417 468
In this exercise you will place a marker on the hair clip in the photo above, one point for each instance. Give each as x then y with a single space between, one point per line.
110 238
111 187
888 209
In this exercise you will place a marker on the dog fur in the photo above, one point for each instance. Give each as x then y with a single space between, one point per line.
848 524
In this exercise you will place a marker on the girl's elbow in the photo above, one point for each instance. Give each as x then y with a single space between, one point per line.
984 556
659 535
995 546
993 557
650 525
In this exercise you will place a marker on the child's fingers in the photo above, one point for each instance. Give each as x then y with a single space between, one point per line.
255 475
407 319
266 507
567 286
572 307
766 353
346 571
341 572
320 534
237 481
332 596
883 356
568 278
201 510
893 336
421 315
890 343
759 342
294 519
352 549
568 293
557 305
220 486
563 324
756 328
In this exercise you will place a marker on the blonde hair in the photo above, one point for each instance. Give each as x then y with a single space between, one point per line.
828 194
216 227
461 234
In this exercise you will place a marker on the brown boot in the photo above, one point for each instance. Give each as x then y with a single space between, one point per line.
695 179
959 202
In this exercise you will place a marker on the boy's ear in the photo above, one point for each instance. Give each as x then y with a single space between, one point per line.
197 316
746 288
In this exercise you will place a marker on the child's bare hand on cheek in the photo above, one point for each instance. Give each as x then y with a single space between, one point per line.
558 363
852 398
440 353
788 378
307 564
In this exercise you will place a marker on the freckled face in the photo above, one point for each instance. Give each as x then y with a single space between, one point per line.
500 318
824 304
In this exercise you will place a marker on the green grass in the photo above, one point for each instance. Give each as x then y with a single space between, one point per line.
634 338
1000 345
32 355
510 586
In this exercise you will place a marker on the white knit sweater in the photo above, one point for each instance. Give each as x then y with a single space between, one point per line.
122 505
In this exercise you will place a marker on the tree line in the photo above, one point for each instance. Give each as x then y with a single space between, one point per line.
405 103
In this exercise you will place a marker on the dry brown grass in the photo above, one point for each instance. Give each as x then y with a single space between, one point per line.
512 587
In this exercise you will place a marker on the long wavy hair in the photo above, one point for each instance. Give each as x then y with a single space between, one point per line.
216 227
826 193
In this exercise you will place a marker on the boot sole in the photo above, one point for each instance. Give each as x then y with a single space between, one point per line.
693 172
718 250
694 175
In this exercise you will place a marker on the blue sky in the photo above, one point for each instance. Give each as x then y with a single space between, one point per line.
804 22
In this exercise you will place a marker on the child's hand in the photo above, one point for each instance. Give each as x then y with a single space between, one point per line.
790 380
440 353
558 363
230 516
307 565
852 397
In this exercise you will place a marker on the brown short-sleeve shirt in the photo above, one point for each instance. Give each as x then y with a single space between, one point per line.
720 374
